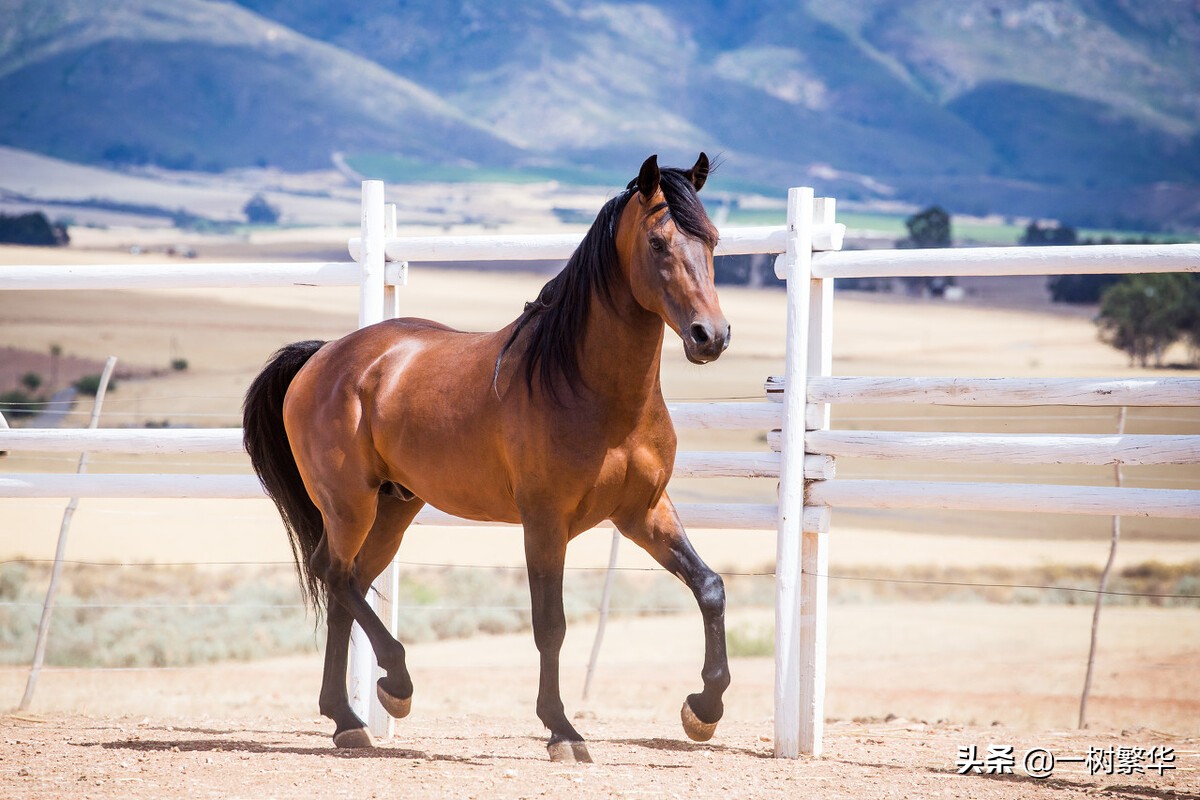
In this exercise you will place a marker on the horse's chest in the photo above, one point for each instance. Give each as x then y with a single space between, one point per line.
628 477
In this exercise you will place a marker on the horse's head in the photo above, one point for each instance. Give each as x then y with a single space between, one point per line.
666 244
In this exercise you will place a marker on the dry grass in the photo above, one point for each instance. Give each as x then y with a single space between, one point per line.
139 616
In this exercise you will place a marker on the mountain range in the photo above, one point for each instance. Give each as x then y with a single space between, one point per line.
1088 110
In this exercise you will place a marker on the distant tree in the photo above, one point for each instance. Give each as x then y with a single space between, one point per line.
1143 315
32 229
260 212
1036 235
55 355
1189 324
31 381
1079 288
17 403
928 228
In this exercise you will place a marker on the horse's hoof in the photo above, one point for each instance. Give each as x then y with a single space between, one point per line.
569 753
396 706
353 738
696 730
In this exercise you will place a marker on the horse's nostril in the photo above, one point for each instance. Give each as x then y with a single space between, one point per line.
701 333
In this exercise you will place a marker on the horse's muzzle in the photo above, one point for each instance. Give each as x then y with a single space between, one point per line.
705 340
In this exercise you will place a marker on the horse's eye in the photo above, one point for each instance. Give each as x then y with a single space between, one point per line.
657 245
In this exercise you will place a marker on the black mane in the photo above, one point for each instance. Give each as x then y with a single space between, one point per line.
557 319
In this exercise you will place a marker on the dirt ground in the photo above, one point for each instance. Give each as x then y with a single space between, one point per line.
909 684
474 757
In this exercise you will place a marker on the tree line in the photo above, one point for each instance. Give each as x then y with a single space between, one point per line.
32 229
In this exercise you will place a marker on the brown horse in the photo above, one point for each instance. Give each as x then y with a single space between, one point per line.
556 422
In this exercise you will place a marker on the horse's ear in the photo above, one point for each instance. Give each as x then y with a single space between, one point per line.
647 181
699 173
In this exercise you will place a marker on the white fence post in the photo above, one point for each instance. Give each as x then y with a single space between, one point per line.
361 673
387 585
795 266
814 543
60 550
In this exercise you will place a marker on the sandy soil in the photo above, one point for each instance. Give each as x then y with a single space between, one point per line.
971 663
250 730
471 757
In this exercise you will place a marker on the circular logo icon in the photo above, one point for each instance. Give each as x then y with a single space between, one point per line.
1039 763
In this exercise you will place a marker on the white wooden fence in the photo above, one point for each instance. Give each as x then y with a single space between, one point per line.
796 405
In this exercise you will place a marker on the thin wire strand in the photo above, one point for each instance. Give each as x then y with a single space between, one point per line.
406 607
924 582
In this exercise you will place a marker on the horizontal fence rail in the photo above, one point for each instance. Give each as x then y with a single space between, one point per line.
228 441
179 441
1023 497
971 261
686 416
763 416
998 391
993 448
735 516
142 441
188 275
554 247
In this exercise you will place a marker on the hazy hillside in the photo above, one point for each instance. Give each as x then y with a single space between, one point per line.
1087 109
195 84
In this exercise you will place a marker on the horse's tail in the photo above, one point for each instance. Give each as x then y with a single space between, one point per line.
266 441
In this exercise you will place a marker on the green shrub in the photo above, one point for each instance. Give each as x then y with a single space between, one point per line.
90 384
750 642
17 403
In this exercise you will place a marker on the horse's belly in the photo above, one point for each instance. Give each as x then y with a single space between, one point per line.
467 493
454 473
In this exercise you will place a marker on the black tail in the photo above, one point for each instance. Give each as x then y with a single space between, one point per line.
266 441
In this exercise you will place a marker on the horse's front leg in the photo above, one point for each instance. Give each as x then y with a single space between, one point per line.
660 534
545 552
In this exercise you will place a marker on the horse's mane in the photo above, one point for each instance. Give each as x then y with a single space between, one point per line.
557 319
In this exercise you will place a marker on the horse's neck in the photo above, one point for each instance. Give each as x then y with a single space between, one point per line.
621 351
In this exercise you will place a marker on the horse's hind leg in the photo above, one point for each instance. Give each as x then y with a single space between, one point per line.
395 688
349 730
660 533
